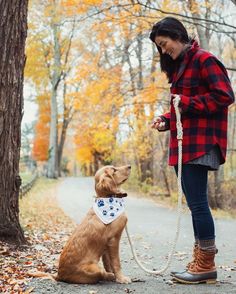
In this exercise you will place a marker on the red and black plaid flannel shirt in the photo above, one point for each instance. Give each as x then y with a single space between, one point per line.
206 92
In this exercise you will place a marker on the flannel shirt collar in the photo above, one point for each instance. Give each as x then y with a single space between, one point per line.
186 58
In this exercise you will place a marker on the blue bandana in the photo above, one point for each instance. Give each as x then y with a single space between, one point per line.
108 209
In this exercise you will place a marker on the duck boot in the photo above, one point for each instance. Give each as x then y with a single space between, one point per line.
191 263
202 271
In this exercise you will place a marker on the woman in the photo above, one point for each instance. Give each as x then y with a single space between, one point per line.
202 83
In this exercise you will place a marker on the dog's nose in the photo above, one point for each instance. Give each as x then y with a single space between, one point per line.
129 166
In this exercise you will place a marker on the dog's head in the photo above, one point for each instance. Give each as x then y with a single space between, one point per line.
109 178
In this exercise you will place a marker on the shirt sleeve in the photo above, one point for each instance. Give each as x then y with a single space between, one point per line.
220 92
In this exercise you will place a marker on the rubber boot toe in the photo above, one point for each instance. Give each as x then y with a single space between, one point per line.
196 278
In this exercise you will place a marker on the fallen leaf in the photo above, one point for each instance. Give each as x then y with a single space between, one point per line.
29 290
137 280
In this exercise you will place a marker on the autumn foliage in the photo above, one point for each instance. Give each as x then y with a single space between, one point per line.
41 139
111 86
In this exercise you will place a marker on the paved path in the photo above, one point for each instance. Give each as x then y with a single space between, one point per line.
152 229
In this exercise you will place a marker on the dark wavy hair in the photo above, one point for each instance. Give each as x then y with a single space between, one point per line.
175 30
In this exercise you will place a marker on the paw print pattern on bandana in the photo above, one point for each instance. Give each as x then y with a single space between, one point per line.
100 203
104 212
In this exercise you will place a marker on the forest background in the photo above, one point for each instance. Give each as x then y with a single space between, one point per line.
95 77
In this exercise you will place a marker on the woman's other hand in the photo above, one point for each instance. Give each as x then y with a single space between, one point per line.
159 124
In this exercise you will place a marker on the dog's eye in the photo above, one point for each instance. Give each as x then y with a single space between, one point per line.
115 170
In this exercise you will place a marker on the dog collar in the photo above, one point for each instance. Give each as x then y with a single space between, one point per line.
108 209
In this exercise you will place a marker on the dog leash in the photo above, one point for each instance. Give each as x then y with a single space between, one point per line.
179 127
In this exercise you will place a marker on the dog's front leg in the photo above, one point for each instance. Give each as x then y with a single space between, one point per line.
107 262
113 250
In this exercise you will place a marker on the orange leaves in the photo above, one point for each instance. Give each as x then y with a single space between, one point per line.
41 144
42 129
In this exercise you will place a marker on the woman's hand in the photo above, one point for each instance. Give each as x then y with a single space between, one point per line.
159 124
177 99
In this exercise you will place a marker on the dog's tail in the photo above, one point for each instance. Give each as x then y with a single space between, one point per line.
43 275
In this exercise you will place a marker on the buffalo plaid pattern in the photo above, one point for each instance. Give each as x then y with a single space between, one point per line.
205 90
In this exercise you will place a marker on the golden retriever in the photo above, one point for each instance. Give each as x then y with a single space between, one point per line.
94 240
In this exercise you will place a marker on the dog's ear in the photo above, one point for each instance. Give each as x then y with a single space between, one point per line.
106 184
103 184
109 172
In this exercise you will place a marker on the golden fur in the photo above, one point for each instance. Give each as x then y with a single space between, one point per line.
93 240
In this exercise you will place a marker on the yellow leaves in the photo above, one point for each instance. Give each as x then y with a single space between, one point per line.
77 3
193 6
100 141
84 155
92 2
167 5
103 31
137 8
93 137
79 6
103 140
35 68
95 133
69 3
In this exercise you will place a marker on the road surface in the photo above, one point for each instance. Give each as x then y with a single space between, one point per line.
152 228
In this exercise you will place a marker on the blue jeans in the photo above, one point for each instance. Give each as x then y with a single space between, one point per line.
194 185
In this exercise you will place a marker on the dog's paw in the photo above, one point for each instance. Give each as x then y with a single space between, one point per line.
109 276
123 280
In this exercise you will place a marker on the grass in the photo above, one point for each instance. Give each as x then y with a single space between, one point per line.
160 198
26 177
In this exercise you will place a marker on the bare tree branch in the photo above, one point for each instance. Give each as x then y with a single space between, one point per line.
128 6
231 68
186 16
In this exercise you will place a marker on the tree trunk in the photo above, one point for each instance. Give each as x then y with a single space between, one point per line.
53 141
13 30
164 163
202 34
96 164
126 57
219 178
212 191
146 170
67 117
62 142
